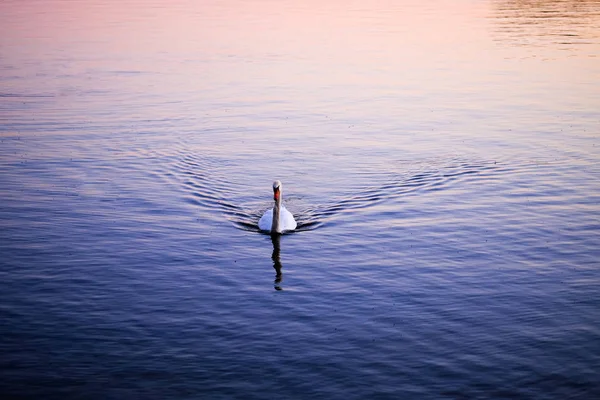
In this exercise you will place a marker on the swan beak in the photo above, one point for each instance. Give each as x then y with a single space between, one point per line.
276 194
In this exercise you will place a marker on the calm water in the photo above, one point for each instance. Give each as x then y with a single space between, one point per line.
441 158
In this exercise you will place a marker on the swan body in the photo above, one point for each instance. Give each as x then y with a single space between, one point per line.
286 221
278 219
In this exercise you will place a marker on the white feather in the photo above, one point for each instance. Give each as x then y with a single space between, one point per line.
286 219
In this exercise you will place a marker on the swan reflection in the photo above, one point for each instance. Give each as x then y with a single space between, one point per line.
276 239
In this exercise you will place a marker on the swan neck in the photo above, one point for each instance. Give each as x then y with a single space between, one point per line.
276 212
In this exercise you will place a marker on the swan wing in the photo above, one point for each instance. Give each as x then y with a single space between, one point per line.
264 223
287 221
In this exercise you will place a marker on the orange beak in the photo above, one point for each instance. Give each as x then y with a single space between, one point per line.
275 194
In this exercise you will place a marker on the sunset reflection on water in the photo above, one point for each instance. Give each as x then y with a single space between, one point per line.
440 158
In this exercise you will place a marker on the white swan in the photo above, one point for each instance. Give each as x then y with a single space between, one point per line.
283 221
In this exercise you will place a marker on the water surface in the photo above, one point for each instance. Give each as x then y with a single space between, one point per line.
441 160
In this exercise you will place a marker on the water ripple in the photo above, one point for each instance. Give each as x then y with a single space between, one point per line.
208 186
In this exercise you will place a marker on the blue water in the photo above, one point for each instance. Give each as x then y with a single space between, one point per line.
441 160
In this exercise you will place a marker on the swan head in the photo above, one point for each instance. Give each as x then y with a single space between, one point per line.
276 190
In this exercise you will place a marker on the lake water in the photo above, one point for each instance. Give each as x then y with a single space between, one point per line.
441 159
